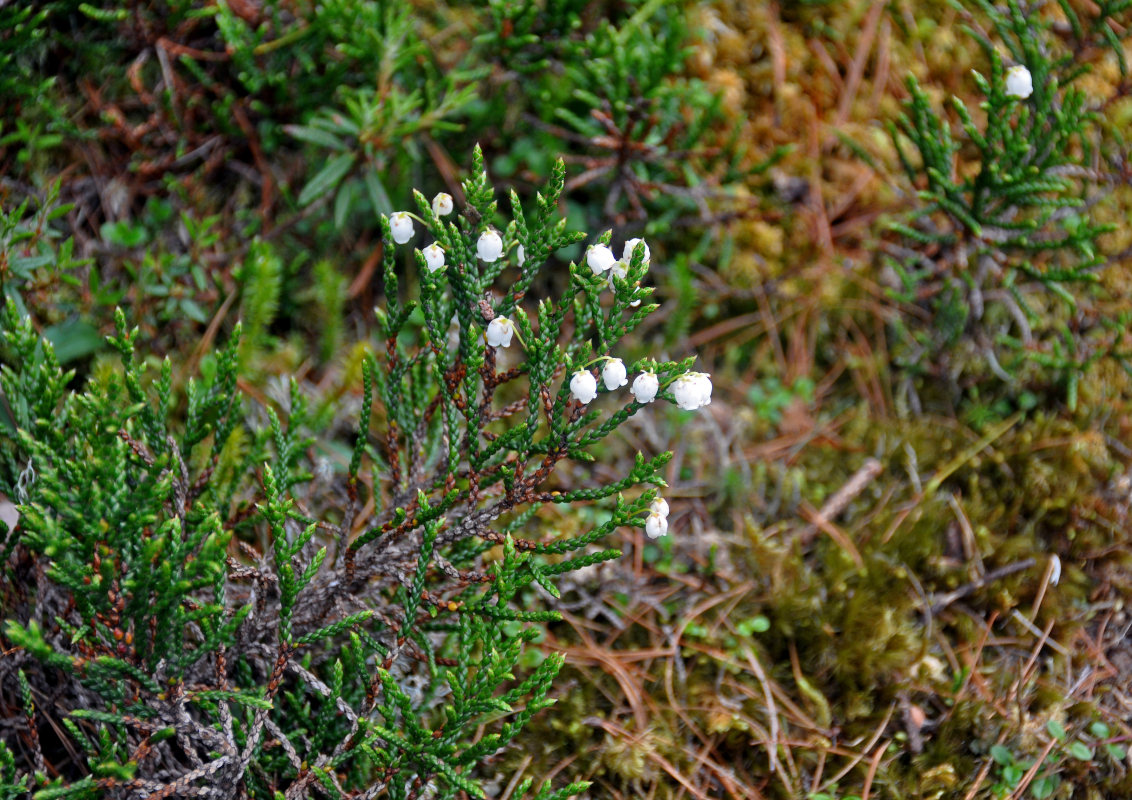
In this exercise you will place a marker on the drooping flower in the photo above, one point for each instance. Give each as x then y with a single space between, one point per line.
656 525
499 332
659 506
613 373
490 246
692 390
631 245
645 387
1019 82
600 258
442 204
583 386
434 257
401 226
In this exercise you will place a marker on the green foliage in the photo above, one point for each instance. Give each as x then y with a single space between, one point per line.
1006 196
261 280
202 599
613 92
770 397
623 97
36 261
1010 768
328 300
378 130
293 125
163 274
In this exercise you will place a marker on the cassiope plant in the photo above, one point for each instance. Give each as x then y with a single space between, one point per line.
211 621
1005 221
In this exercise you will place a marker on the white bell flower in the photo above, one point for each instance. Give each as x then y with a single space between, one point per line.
434 257
600 258
490 246
656 525
692 390
1019 83
630 245
583 386
499 332
613 373
442 204
645 387
659 506
401 226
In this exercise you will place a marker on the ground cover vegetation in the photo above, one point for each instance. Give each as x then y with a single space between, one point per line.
258 538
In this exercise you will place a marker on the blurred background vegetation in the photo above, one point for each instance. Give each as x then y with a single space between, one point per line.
898 564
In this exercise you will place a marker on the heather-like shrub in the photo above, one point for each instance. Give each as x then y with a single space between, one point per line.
1003 248
188 611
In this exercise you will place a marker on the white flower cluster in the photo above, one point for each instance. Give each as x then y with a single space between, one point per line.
402 228
691 390
601 259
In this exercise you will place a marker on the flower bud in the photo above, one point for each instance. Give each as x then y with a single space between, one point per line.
1019 83
434 257
499 332
645 387
692 390
442 204
613 373
600 258
401 226
490 246
583 386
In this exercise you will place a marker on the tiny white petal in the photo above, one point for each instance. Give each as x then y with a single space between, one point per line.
630 245
490 246
656 525
645 387
600 258
442 204
1054 570
583 386
401 226
434 257
521 256
613 373
659 506
1019 82
499 332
